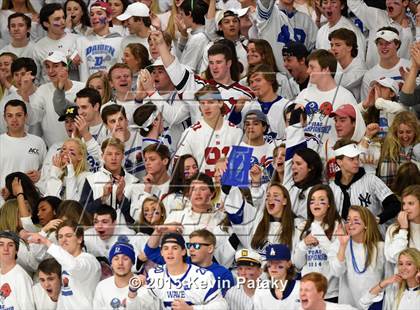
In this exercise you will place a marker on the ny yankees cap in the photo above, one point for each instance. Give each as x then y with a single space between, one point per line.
135 9
295 49
247 257
277 252
71 111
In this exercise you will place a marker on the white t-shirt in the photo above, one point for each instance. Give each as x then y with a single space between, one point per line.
109 296
79 277
20 154
319 104
26 51
16 290
41 298
378 72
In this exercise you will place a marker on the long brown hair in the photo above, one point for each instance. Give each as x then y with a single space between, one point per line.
372 234
142 219
408 174
329 219
267 55
285 233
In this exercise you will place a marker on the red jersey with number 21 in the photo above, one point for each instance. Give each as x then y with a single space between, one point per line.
208 145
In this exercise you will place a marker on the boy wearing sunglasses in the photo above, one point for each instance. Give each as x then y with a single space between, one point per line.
201 249
179 284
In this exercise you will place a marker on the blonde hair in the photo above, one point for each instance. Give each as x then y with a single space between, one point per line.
372 234
414 254
142 219
107 87
8 5
82 164
115 142
9 216
391 147
171 28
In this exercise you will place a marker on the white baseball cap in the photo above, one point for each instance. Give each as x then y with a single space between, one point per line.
349 150
387 35
158 62
224 13
135 9
241 12
56 57
389 83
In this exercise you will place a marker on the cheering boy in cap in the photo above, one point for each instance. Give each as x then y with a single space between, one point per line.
15 283
112 292
180 285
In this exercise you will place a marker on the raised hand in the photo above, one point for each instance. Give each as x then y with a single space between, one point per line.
16 186
310 240
402 219
342 235
52 225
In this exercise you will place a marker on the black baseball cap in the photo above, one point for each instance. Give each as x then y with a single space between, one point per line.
71 111
296 49
173 238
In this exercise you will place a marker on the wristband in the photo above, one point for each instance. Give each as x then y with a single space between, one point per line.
379 284
134 284
20 194
366 139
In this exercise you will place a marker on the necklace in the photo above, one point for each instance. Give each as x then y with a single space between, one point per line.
353 260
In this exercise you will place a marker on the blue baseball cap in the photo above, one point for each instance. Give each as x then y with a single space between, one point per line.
122 248
277 252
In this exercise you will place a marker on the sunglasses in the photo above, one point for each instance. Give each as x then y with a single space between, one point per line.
195 245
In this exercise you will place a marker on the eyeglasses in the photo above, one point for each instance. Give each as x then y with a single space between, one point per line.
195 245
